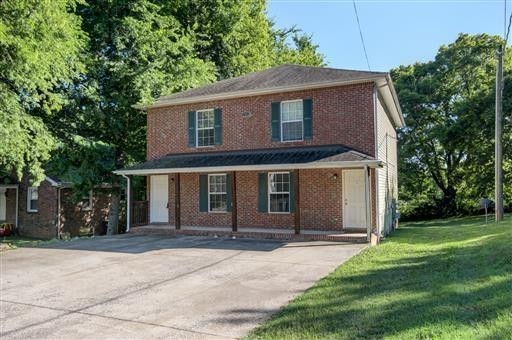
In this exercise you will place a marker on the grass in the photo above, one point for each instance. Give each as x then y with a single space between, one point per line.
13 242
443 279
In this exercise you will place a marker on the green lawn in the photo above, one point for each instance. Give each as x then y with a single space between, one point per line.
13 242
445 279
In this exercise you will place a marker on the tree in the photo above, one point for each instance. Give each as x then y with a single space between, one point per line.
238 37
137 51
40 43
449 115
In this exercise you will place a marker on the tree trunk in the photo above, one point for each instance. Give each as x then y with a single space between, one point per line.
449 203
113 214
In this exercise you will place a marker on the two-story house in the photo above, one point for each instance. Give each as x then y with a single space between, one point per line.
292 148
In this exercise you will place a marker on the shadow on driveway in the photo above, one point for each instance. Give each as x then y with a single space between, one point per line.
136 244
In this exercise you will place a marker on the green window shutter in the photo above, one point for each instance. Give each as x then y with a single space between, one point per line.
308 118
192 129
263 192
229 186
203 193
276 121
292 191
217 113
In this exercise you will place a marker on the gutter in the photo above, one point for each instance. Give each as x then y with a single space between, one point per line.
261 167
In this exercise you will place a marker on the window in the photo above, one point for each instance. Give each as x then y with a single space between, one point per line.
292 120
32 199
205 122
279 192
217 193
86 202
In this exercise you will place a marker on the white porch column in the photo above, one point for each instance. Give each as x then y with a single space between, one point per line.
128 202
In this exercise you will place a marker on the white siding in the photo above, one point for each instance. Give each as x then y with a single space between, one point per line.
387 176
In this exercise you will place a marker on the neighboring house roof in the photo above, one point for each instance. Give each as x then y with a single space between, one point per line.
56 181
328 156
286 78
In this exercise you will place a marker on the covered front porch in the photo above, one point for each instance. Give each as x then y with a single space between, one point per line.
321 193
248 232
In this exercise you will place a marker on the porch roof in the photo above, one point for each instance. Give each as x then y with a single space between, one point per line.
310 157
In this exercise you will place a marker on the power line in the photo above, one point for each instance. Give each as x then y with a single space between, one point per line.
505 37
361 34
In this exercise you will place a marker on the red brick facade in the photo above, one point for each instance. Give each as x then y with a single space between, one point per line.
43 223
341 115
40 224
74 218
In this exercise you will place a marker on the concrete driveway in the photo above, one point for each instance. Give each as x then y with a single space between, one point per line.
152 287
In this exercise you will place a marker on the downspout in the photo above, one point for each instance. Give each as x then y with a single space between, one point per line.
58 212
366 198
128 202
17 207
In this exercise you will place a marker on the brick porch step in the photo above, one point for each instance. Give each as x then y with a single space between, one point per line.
256 233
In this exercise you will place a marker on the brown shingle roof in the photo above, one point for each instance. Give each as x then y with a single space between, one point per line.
277 77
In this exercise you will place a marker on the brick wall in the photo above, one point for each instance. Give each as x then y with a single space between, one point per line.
73 217
40 224
321 200
341 115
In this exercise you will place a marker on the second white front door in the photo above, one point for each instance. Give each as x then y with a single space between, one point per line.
159 195
354 205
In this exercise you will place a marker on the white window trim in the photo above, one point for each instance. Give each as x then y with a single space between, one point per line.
29 198
291 121
89 208
197 128
280 192
225 193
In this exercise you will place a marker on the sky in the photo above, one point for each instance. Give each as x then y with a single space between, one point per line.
396 32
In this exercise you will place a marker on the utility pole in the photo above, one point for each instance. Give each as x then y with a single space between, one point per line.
498 174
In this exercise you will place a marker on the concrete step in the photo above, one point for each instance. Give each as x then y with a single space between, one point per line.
153 230
287 236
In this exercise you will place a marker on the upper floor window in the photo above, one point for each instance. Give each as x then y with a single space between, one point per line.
292 120
205 128
32 199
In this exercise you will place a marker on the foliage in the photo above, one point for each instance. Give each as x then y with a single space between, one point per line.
39 43
443 279
238 37
141 49
446 148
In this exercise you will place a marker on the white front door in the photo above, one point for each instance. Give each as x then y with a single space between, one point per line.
3 202
159 195
354 207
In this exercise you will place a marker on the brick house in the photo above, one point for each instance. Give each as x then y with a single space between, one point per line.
293 148
48 210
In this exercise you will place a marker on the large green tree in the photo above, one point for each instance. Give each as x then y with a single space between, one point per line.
135 53
238 37
446 148
141 49
40 43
